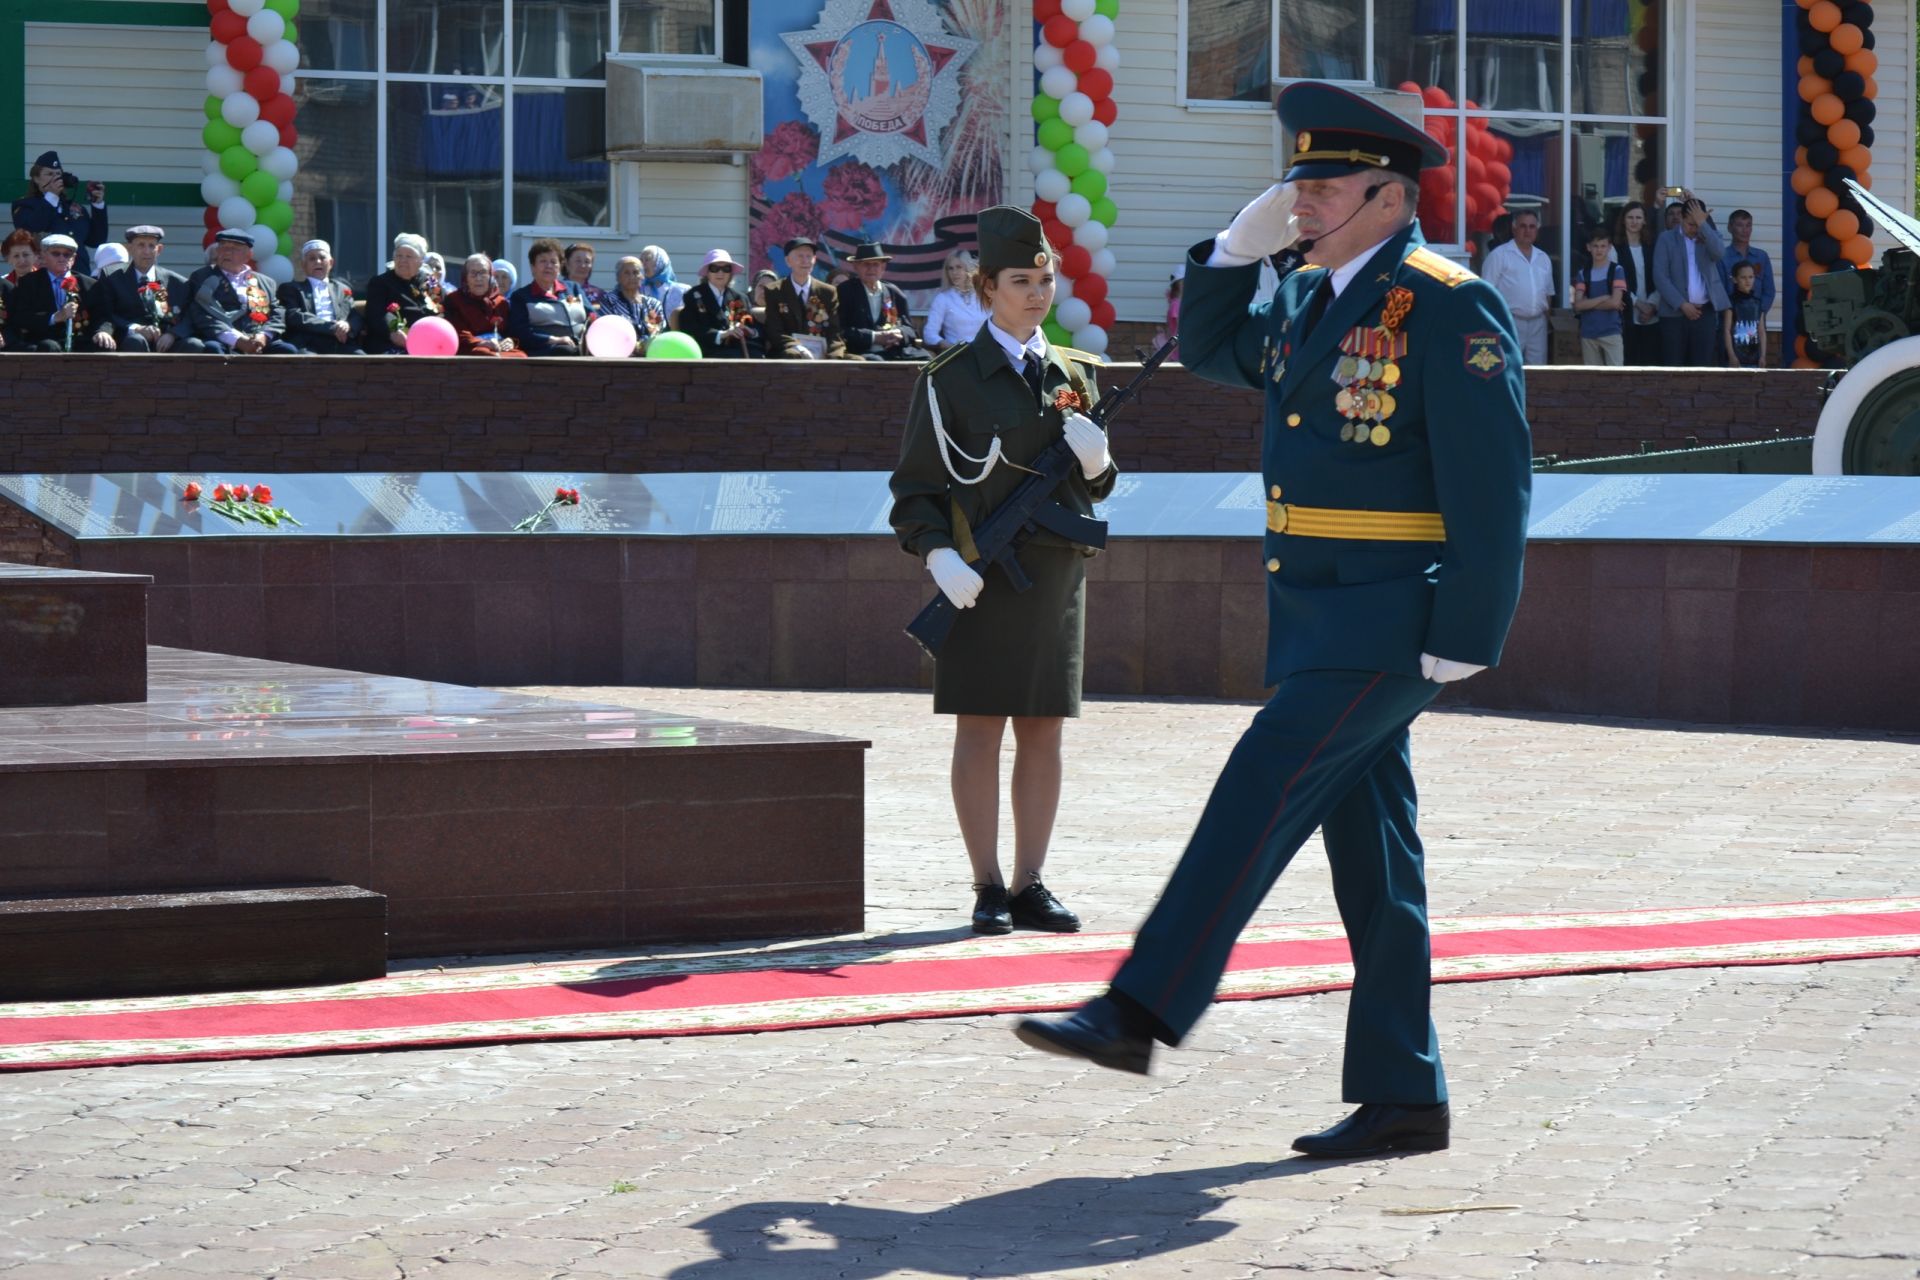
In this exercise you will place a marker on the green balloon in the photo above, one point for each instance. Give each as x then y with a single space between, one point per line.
1055 134
285 8
237 162
291 33
286 241
277 214
1105 211
1056 332
673 346
1045 108
1071 159
1092 184
219 135
1109 8
261 189
212 107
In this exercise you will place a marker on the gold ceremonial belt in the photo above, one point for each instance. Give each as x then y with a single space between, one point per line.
1370 526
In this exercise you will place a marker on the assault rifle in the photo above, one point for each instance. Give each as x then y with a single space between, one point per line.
1027 510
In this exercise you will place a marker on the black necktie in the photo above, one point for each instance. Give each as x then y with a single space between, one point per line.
1322 297
1031 370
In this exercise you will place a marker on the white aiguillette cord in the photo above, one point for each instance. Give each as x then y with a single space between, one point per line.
947 443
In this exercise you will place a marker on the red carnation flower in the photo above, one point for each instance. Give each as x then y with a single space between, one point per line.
262 494
192 492
241 493
791 147
559 495
852 195
392 307
221 493
795 215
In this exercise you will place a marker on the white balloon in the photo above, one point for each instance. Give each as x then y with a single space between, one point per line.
260 137
1107 57
1046 56
209 163
1092 135
1104 263
216 53
1090 338
1090 235
1076 108
1078 10
1074 208
286 84
1073 314
246 8
240 109
1039 160
284 192
266 26
1097 30
1051 185
1101 161
1062 288
223 81
282 55
216 187
266 241
280 161
1058 82
279 267
236 211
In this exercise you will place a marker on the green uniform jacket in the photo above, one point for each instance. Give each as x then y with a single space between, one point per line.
1459 445
981 396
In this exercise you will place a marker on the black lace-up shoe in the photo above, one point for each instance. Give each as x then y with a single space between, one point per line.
1035 907
1378 1127
1099 1031
990 909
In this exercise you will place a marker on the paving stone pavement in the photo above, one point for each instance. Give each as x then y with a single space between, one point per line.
1674 1125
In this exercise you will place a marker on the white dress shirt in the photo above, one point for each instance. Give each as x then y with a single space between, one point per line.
1525 281
1015 350
956 316
322 297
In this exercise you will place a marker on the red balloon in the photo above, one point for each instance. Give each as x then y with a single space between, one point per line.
216 6
1097 83
1408 86
278 110
1476 170
262 82
227 26
1104 315
1434 96
1079 56
1075 262
211 217
1059 234
1499 175
1485 197
1060 30
1046 211
243 51
1091 290
1045 9
1106 111
207 239
288 137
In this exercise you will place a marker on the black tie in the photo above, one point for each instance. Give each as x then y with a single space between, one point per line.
1322 297
1031 370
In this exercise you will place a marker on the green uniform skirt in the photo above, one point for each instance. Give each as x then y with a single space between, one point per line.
1018 653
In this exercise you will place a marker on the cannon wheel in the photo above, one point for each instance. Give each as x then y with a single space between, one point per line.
1872 330
1871 422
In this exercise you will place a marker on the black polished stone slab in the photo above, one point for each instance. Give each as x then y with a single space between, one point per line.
69 637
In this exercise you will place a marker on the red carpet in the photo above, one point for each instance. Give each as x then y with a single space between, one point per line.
872 980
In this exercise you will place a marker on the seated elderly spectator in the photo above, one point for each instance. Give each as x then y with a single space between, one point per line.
48 309
626 300
803 314
434 267
109 258
659 282
138 307
765 280
873 313
398 298
320 315
231 307
542 317
717 316
577 273
477 310
505 276
21 249
52 206
956 314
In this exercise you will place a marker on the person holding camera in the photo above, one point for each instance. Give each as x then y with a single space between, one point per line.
52 206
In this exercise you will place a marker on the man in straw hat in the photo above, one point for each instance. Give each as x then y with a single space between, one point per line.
873 313
1396 467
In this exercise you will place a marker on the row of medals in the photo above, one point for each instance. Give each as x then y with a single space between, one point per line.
1366 383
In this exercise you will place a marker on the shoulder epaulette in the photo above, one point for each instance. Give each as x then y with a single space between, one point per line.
945 356
1084 357
1429 263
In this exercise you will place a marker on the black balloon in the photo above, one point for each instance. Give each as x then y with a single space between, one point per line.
1809 130
1813 42
1859 13
1836 177
1866 134
1644 171
1849 85
1806 226
1866 38
1862 111
1823 249
1828 63
1822 155
1867 226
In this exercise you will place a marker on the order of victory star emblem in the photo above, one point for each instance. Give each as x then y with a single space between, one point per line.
879 79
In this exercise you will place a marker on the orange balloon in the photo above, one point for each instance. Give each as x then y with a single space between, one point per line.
1812 87
1801 253
1872 90
1843 133
1864 178
1807 4
1827 107
1804 363
1804 66
1843 224
1821 202
1800 344
1856 159
1799 157
1865 61
1845 38
1804 273
1824 15
1805 181
1858 250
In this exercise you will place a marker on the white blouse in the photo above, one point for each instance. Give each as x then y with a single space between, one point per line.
956 316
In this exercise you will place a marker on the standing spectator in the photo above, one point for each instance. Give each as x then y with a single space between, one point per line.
231 307
873 313
139 308
659 283
1744 323
398 298
51 207
505 276
716 316
1523 274
1686 266
477 310
579 277
626 300
1633 241
956 314
803 314
319 308
21 249
1600 301
49 308
543 319
1672 218
1742 249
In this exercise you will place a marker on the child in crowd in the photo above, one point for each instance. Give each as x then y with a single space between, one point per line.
1742 332
1600 301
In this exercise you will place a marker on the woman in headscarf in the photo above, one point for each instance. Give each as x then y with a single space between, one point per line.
477 310
505 276
399 298
658 280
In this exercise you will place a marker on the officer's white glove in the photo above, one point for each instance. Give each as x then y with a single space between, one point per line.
1260 230
954 576
1088 442
1446 670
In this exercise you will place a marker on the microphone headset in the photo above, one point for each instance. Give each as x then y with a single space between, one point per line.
1306 246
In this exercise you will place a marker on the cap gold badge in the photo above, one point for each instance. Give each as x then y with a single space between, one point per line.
1304 142
1039 259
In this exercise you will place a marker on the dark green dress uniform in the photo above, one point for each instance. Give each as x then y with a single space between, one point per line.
1396 458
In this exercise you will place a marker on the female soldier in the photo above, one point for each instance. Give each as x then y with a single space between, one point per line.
979 414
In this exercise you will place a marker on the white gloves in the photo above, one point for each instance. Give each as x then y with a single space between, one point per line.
1262 229
954 576
1446 670
1088 442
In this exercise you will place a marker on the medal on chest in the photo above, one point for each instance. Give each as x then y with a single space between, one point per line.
1368 372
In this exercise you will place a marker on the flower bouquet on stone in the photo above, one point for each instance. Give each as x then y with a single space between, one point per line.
242 503
561 498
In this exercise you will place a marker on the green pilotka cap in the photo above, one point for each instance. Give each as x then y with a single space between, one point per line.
1011 237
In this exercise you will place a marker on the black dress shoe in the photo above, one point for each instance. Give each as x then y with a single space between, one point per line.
1035 907
1098 1031
990 909
1379 1127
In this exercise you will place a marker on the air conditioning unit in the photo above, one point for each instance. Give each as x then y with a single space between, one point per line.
660 109
1407 106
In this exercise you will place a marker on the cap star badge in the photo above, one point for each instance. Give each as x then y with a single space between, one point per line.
1304 142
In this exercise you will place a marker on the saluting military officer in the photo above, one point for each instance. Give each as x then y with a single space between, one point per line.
1396 459
979 414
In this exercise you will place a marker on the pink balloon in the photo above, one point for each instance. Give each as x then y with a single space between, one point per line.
612 338
431 337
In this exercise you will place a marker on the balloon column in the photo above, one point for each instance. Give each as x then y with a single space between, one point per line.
1489 180
1835 131
1074 58
249 131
